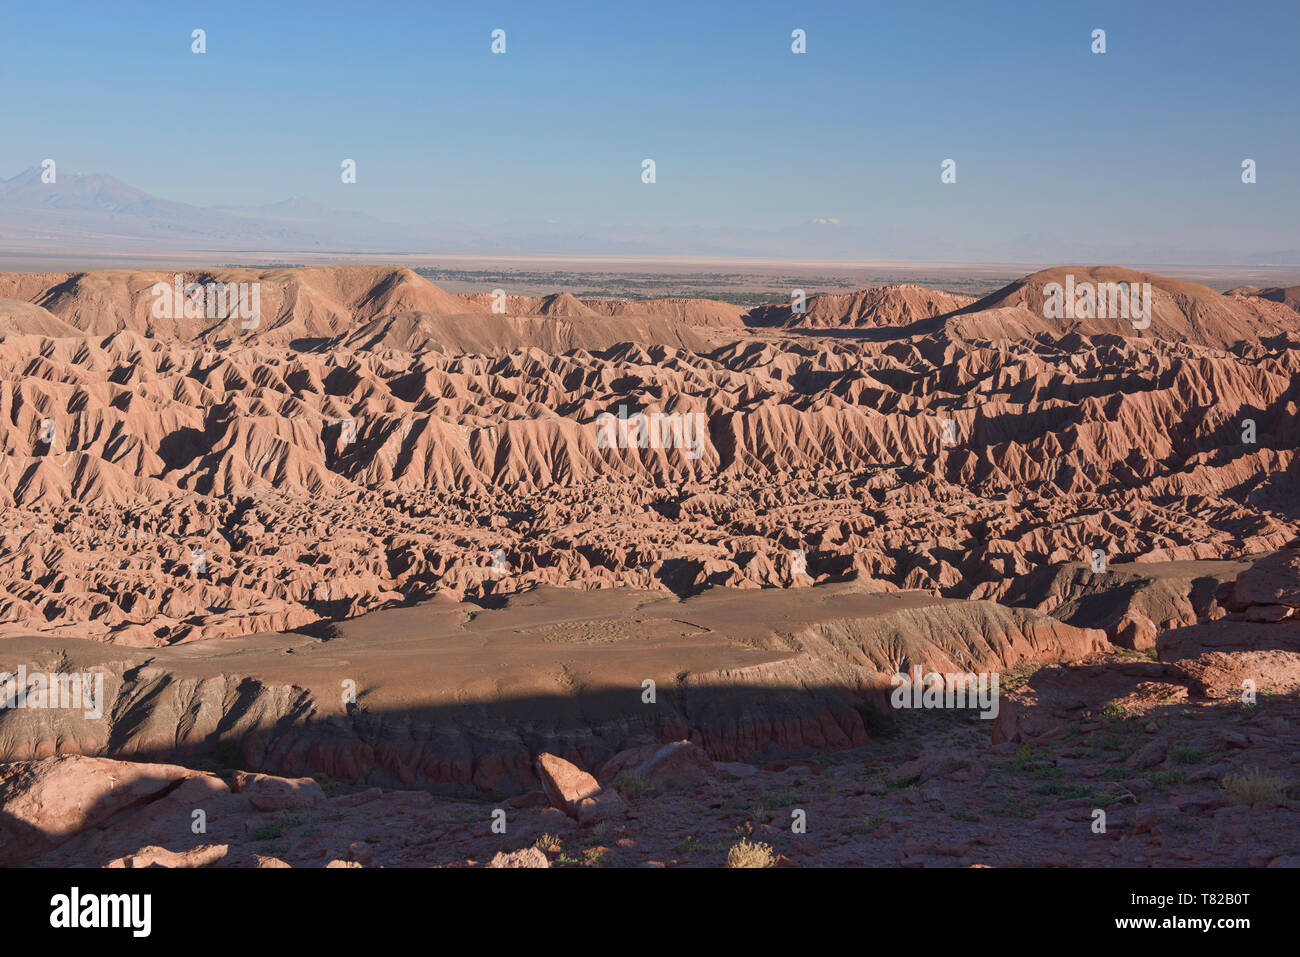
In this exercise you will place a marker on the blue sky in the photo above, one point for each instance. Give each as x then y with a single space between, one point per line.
1134 151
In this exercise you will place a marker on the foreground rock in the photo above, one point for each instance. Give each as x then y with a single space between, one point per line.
44 803
203 856
566 785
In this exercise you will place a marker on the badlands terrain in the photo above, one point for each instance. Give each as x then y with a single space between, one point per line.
361 580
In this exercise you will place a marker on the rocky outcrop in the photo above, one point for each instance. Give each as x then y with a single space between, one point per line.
44 803
1270 589
1234 659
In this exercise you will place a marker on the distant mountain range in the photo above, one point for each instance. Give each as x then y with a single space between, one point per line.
96 212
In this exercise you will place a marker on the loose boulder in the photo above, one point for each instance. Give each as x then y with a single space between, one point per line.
566 785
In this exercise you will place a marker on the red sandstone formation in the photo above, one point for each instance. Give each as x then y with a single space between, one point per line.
421 463
896 477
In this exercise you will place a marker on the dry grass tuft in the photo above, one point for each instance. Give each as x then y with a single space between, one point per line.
746 853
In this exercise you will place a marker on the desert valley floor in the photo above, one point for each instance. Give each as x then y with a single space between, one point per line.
364 585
